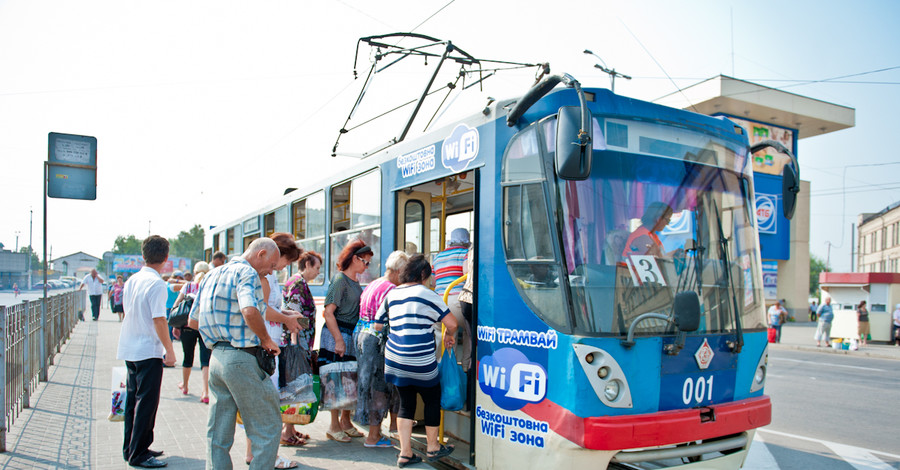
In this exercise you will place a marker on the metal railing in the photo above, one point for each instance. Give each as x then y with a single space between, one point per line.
20 349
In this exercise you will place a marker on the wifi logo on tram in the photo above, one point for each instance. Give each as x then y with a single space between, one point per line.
511 380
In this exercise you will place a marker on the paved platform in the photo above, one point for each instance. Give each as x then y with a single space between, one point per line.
799 335
67 426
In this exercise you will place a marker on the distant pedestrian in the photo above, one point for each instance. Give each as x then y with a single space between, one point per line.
227 314
218 259
190 337
862 317
895 326
812 311
16 289
143 343
115 297
95 291
777 317
823 327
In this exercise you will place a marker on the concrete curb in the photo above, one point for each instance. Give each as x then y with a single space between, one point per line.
829 350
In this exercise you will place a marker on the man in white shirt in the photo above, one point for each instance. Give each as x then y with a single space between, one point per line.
95 291
143 344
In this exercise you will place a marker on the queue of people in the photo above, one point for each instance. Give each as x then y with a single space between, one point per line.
242 319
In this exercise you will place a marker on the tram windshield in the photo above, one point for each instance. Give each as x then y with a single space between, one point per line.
656 218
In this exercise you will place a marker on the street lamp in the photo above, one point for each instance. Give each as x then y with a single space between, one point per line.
611 72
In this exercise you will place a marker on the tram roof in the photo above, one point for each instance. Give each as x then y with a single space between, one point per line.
743 99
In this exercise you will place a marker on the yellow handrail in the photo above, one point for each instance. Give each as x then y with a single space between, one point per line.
453 284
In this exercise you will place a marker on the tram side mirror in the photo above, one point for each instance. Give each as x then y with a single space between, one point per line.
573 160
686 311
789 188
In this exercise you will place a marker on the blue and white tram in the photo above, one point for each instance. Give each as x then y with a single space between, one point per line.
591 350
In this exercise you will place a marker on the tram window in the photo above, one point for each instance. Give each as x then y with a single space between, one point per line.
529 251
229 241
356 213
522 161
215 242
269 223
308 217
414 224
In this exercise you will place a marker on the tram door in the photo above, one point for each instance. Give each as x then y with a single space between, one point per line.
413 231
426 216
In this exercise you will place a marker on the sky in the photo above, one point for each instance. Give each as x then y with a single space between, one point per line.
207 110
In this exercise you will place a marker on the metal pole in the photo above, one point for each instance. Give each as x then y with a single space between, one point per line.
30 220
44 375
852 246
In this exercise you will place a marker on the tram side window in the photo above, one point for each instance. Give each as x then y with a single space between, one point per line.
215 246
309 228
356 213
527 237
229 241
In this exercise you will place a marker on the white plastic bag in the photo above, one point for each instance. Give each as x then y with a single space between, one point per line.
118 391
338 385
299 390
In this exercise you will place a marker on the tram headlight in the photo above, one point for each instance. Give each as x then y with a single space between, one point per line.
760 374
611 390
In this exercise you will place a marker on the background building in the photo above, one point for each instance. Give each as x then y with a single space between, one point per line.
878 246
76 264
770 114
13 269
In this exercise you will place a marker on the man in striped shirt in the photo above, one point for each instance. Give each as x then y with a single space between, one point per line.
449 265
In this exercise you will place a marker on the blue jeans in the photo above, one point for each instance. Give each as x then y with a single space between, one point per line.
237 383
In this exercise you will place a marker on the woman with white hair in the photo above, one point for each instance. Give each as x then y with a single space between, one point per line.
376 397
191 337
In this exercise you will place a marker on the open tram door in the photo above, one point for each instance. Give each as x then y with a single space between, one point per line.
427 214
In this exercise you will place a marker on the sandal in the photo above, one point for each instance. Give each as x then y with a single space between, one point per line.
353 432
293 441
281 463
438 454
404 461
383 443
300 435
339 436
183 388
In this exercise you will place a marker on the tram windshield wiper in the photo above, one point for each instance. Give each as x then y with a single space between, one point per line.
724 246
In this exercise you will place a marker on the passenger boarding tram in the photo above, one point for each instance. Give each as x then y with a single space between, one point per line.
619 312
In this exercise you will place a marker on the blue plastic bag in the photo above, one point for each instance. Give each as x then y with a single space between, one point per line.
453 383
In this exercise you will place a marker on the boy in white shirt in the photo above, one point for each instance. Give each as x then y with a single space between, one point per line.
144 345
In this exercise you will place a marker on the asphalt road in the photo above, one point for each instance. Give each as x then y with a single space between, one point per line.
831 412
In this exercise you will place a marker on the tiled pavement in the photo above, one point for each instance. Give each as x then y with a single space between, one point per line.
67 425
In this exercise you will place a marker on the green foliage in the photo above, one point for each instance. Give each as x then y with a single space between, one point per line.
188 244
129 245
816 266
35 261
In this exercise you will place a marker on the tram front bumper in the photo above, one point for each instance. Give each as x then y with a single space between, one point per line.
677 426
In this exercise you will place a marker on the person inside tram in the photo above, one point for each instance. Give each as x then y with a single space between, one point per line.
644 239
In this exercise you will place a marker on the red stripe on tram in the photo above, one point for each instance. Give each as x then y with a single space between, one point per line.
654 429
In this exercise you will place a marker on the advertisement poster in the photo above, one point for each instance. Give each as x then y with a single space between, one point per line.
768 160
134 263
770 279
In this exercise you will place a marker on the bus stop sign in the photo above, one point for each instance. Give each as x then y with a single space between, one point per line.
72 166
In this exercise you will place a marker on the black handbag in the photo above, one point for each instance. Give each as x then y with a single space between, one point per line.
181 313
265 360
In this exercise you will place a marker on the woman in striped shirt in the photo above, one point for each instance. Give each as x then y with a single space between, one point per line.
412 310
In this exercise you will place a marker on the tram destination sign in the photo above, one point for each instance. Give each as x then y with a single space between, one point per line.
71 171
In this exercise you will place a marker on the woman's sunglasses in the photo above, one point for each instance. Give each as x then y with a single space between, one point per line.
364 261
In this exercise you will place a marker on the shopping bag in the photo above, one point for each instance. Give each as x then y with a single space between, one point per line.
453 382
179 316
773 333
117 411
338 386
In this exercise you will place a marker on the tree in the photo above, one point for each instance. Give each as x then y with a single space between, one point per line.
129 245
188 244
816 266
35 262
